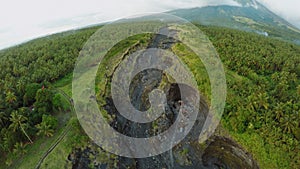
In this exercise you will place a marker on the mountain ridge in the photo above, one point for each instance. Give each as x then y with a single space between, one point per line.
251 16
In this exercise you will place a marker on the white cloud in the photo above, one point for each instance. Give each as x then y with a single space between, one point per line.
174 4
287 9
23 20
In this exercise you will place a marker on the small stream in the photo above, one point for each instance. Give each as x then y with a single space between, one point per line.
218 152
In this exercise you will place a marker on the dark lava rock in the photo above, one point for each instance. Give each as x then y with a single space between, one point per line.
225 153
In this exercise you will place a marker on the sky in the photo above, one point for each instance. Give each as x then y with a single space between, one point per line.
26 20
287 9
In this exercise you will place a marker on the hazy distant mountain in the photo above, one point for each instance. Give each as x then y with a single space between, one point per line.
249 16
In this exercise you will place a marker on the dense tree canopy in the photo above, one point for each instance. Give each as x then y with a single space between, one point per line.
27 99
264 98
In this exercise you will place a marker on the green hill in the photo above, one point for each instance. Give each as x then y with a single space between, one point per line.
251 17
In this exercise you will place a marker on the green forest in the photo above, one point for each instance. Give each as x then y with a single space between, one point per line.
262 111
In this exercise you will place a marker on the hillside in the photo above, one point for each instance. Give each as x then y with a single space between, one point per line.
261 114
250 16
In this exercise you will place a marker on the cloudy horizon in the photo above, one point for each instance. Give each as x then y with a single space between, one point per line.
26 20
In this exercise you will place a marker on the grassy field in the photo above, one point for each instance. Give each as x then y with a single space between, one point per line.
65 84
41 145
74 138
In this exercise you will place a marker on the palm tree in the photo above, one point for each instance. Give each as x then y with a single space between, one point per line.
262 99
20 86
10 97
18 121
258 101
252 103
19 149
7 140
279 111
45 130
288 124
3 119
